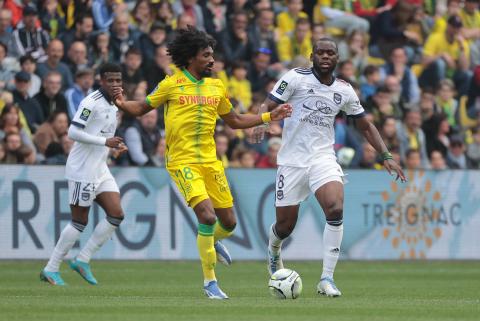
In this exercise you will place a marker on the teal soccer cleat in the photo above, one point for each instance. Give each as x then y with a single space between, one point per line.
53 278
222 253
84 270
275 262
212 291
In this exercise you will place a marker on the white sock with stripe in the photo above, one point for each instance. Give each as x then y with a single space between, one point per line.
68 237
274 242
102 233
332 239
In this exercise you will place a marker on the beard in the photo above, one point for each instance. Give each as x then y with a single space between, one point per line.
206 73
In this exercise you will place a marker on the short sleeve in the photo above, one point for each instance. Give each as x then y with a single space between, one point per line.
83 115
284 88
352 106
225 106
159 95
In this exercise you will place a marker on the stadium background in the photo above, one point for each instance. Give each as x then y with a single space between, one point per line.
393 52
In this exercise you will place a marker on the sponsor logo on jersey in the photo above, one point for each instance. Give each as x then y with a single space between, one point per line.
337 98
315 119
85 114
281 89
203 100
319 106
310 91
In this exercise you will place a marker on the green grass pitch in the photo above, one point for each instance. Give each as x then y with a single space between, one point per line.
159 290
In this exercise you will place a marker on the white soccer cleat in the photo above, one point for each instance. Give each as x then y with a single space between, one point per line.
327 287
274 262
223 256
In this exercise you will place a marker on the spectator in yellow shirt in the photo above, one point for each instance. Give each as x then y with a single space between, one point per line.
239 87
446 55
286 20
440 20
296 44
471 31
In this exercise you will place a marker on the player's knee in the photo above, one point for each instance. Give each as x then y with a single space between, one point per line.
284 229
205 214
208 219
335 213
229 223
115 220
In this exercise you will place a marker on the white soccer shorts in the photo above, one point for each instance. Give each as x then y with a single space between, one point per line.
294 184
83 194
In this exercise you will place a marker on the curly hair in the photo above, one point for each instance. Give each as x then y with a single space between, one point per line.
187 44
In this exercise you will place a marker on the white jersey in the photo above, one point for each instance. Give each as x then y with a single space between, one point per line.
309 132
97 116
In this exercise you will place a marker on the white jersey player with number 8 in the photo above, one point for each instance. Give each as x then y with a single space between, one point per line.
306 160
93 129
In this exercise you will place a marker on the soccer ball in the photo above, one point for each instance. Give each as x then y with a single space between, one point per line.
285 284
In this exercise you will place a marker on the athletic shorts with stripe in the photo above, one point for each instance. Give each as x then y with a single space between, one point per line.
83 193
294 184
198 182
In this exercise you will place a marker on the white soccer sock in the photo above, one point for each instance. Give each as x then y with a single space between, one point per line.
103 231
274 242
332 239
68 237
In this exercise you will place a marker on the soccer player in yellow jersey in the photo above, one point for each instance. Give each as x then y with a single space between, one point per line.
192 101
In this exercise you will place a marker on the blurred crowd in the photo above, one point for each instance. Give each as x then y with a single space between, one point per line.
414 64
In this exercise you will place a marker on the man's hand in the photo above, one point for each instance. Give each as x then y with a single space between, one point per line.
281 112
114 142
258 134
122 148
118 97
391 166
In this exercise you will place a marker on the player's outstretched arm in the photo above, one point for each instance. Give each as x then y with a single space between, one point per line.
132 107
238 121
372 135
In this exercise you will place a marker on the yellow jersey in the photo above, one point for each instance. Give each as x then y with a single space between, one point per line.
470 20
437 43
286 23
191 108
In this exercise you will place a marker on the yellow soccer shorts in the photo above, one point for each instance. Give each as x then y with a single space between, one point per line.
198 182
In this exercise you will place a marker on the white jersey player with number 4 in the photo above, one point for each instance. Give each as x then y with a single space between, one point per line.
93 129
306 160
86 169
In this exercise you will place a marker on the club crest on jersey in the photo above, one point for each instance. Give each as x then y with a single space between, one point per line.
85 196
85 114
337 98
281 89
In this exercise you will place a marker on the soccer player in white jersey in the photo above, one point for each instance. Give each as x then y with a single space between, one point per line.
307 161
92 129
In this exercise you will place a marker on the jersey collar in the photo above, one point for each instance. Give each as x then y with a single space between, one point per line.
192 79
318 78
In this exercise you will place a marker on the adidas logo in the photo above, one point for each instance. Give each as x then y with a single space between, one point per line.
335 250
310 91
